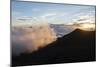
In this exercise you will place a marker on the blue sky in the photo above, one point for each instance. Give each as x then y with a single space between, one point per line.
52 13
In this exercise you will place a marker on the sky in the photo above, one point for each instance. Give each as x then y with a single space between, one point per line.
31 12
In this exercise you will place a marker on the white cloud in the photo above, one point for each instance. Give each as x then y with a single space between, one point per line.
48 15
25 39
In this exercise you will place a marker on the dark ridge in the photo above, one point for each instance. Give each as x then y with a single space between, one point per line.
77 46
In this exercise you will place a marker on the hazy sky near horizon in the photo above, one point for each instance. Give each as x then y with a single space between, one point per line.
30 12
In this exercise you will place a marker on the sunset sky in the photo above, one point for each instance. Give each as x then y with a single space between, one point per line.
36 24
28 12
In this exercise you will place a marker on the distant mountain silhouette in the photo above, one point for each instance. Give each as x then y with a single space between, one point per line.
77 46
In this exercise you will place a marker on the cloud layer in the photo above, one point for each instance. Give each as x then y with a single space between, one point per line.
28 39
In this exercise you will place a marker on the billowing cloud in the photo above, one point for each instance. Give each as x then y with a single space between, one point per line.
28 39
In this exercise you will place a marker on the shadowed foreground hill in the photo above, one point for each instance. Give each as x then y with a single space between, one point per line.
78 46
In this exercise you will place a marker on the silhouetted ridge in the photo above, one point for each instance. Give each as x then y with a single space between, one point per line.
78 32
76 38
77 46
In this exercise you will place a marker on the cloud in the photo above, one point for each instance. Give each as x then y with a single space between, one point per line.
24 17
24 20
54 17
85 19
48 15
26 39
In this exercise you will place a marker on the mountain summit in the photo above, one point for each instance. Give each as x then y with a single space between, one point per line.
77 46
